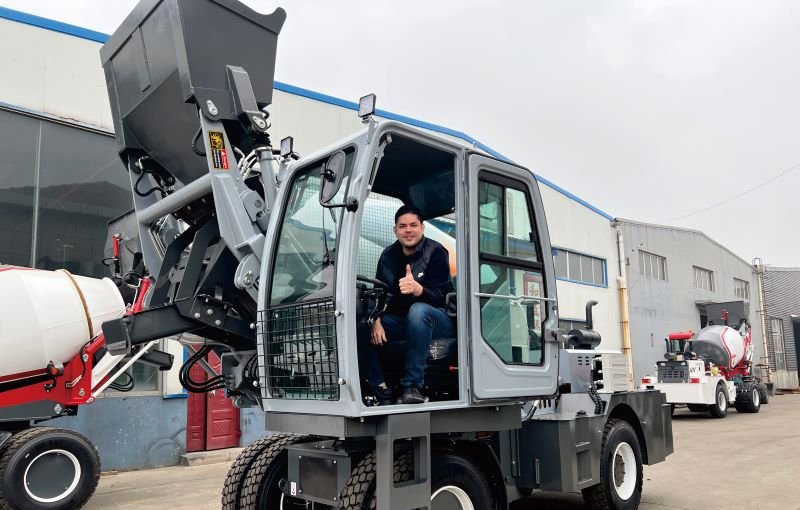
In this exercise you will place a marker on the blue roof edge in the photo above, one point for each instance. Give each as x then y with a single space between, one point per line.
310 94
49 24
91 35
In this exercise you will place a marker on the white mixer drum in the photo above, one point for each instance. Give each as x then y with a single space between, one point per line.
49 315
723 344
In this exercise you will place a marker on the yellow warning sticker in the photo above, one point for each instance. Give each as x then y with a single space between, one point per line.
216 139
219 156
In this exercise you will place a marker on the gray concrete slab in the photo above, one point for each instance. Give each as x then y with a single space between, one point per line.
743 462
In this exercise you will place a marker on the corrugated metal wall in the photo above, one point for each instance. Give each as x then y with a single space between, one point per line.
782 296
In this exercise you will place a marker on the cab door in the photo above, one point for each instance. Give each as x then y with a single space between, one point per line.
512 284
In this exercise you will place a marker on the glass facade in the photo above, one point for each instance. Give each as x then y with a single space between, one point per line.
19 142
60 185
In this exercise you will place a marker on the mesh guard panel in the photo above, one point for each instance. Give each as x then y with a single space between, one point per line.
301 351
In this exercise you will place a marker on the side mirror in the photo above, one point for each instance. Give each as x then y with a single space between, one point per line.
332 175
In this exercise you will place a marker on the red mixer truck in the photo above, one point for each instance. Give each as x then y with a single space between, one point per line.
54 360
711 369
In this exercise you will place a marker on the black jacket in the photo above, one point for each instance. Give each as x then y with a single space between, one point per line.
430 265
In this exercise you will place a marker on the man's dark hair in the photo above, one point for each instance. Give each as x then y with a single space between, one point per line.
407 209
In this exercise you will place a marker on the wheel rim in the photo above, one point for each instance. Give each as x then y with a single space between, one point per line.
52 476
722 402
451 497
756 397
623 471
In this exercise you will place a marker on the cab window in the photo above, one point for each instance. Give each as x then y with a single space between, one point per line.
511 272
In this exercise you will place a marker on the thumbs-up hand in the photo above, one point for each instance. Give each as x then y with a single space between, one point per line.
408 285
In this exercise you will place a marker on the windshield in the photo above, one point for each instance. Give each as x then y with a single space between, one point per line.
304 263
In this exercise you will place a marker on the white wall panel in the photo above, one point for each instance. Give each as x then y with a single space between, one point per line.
575 227
54 73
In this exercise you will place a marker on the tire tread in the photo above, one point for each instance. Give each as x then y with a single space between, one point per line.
238 472
596 497
257 469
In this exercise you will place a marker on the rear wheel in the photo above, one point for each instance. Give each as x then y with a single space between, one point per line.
458 485
43 467
621 472
762 389
719 409
749 399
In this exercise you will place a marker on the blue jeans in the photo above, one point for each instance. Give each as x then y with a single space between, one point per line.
422 324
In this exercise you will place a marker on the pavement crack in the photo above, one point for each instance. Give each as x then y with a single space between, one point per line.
671 506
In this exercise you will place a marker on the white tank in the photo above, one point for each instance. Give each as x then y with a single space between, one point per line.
49 315
723 344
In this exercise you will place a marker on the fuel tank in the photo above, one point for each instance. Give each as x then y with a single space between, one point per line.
47 316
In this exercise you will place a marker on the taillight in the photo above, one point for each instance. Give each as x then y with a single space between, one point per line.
647 380
694 380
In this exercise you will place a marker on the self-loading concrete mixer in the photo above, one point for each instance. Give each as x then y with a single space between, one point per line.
712 368
54 360
270 257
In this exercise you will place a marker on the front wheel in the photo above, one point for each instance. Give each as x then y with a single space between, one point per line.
44 467
621 472
258 488
719 409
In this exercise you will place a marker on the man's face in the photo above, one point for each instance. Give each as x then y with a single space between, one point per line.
409 230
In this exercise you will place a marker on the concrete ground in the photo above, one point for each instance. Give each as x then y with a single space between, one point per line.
745 461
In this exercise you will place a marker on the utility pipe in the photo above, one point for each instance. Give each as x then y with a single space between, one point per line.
624 323
758 266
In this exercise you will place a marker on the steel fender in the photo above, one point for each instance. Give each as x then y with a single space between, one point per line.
651 417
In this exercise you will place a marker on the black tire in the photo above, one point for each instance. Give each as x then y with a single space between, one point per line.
762 389
697 408
239 469
359 492
44 468
456 479
259 485
620 453
719 409
749 399
453 476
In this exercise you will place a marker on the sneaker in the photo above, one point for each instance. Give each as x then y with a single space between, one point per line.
384 395
412 395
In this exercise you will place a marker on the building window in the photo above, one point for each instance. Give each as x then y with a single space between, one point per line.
703 278
652 265
776 328
576 267
741 288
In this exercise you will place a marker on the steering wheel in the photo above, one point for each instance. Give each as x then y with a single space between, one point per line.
373 281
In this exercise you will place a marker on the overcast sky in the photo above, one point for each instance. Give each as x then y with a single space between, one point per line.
649 110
